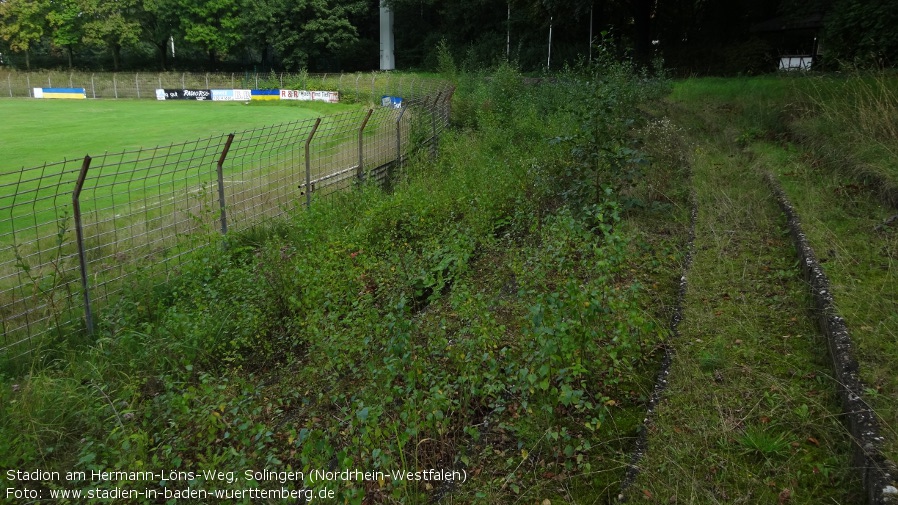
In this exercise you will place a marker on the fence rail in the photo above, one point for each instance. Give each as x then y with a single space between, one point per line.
143 85
74 234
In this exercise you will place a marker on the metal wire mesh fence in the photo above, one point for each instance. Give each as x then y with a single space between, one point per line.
14 84
73 234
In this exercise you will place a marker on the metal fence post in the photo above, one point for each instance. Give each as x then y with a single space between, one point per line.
137 84
373 79
28 83
9 82
114 85
221 193
79 233
399 136
309 164
207 80
93 88
447 106
360 172
433 121
70 80
358 94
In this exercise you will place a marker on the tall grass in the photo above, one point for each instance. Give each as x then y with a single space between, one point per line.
855 121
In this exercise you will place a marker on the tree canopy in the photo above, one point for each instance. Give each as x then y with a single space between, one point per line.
713 36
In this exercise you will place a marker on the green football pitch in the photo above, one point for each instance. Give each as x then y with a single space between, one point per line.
34 132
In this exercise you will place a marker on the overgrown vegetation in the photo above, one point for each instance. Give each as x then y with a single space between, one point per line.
766 429
496 314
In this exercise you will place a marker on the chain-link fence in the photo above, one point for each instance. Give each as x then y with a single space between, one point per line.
14 84
74 234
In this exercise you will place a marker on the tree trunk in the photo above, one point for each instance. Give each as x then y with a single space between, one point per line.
116 56
163 54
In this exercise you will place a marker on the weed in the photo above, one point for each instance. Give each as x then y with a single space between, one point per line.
762 442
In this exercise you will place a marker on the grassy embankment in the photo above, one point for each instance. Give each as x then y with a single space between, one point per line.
498 313
751 414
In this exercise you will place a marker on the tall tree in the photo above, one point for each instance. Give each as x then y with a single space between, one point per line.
863 31
112 23
67 25
308 29
22 24
158 20
214 25
258 20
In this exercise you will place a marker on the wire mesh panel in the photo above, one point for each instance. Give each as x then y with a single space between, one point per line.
263 171
379 142
334 160
146 210
38 259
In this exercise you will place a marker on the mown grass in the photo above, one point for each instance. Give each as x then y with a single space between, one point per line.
46 131
497 313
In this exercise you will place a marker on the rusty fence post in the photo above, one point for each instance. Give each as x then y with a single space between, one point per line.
309 164
433 121
399 136
360 171
221 191
447 108
79 235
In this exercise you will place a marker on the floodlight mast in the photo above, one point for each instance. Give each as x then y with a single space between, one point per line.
387 56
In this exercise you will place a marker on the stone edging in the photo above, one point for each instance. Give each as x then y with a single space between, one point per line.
877 473
642 443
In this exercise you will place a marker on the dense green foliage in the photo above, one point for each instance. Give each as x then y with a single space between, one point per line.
707 36
488 315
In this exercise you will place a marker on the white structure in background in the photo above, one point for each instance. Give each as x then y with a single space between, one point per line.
387 56
796 62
